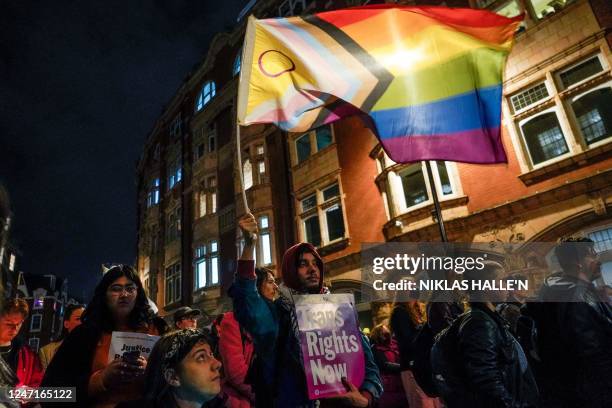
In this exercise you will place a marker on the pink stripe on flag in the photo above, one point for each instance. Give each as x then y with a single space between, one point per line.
472 146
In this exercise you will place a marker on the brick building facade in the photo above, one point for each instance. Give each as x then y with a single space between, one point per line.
335 187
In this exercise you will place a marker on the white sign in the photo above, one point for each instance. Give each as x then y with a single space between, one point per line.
128 342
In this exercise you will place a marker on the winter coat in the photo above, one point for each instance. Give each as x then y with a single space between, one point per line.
29 370
274 328
387 359
574 339
72 364
236 351
404 330
492 363
167 401
440 315
47 352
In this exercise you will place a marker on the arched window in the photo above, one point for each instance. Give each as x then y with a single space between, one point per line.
544 137
237 63
594 114
247 172
206 94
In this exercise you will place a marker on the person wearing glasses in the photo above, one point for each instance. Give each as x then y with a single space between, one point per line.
182 372
186 318
119 303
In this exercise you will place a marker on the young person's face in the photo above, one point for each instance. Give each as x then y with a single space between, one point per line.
121 297
198 374
75 319
308 272
268 287
385 334
590 265
188 322
10 324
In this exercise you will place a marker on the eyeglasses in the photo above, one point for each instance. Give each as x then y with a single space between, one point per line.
118 289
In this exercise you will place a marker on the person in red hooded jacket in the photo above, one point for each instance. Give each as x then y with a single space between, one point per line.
20 358
386 354
237 351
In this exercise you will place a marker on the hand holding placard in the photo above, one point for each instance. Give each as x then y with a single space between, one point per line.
331 346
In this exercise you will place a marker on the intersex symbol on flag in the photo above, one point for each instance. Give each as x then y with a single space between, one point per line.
430 78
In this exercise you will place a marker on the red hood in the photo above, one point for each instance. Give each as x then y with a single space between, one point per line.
289 270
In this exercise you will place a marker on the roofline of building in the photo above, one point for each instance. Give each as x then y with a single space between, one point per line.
200 70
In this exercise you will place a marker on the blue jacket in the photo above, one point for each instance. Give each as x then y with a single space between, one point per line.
273 326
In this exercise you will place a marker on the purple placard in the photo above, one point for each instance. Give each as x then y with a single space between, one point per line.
331 343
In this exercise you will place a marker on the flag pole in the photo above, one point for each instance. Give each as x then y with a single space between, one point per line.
241 176
242 97
437 208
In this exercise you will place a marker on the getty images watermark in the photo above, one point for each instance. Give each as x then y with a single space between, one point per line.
444 272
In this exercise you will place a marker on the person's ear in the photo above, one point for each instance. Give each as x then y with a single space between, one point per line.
172 377
580 266
66 324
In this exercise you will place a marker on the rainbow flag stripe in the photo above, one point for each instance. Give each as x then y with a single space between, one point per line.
430 78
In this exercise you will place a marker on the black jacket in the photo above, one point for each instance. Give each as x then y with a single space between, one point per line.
574 342
440 315
71 365
168 402
492 363
405 331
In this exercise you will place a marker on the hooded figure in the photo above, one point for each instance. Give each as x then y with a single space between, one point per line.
274 327
289 269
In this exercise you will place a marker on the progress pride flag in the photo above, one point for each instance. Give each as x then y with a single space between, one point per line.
331 343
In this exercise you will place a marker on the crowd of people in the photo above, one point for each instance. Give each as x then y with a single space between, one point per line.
478 352
496 349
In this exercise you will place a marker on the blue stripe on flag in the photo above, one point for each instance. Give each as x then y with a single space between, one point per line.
479 109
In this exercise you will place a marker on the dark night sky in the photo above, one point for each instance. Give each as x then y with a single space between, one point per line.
81 84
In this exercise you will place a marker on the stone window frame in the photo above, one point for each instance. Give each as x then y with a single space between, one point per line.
207 253
208 191
173 224
154 193
205 137
258 254
320 208
559 102
312 139
173 275
206 94
38 328
390 184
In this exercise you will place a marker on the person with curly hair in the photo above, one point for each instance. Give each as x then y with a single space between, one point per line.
119 303
182 372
